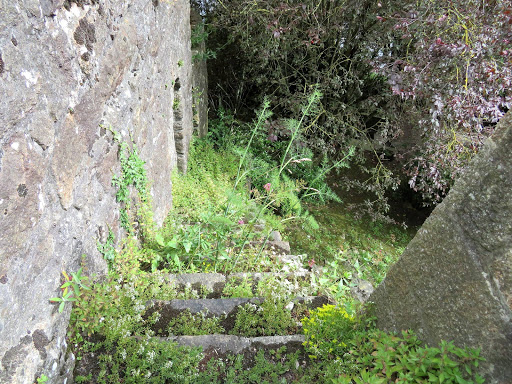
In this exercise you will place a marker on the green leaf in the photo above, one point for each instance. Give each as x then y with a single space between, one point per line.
173 243
61 306
67 295
84 287
187 245
159 239
176 260
56 299
154 264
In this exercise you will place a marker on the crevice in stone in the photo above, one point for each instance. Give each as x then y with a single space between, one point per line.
43 146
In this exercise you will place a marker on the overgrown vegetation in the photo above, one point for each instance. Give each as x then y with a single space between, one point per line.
194 325
133 174
407 92
217 213
415 87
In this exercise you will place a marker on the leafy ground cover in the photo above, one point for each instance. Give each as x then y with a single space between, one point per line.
219 210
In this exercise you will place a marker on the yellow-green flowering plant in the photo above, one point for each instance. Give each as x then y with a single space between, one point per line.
326 330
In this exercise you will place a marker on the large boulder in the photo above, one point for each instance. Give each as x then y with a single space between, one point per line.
68 71
454 280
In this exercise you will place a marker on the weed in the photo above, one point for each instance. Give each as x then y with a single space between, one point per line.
274 366
238 288
83 379
43 379
76 282
272 317
133 174
194 324
327 332
228 199
108 250
387 357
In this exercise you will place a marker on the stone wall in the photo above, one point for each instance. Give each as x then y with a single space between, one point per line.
68 70
199 78
454 280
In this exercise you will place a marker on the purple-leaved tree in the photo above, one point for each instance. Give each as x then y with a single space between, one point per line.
450 63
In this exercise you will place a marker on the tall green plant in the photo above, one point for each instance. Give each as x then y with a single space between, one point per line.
280 190
133 174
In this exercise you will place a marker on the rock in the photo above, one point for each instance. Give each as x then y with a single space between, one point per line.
292 263
361 290
223 344
213 282
282 247
68 71
454 280
275 236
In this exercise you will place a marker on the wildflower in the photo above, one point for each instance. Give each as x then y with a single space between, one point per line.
151 357
311 263
241 222
267 187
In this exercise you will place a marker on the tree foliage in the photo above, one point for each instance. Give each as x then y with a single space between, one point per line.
451 64
420 82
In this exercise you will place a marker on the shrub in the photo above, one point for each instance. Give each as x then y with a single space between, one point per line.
328 330
386 358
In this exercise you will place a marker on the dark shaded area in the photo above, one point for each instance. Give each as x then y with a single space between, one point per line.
40 341
85 34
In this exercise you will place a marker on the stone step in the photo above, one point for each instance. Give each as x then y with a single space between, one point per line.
226 309
224 344
219 346
277 246
214 283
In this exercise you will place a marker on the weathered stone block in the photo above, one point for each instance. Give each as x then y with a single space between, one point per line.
68 70
454 280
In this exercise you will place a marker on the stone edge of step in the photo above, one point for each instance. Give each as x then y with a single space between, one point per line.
233 344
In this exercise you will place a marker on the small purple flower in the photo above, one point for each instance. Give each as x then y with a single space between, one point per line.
267 187
241 222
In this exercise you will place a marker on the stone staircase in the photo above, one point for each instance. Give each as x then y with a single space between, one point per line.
233 317
225 298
